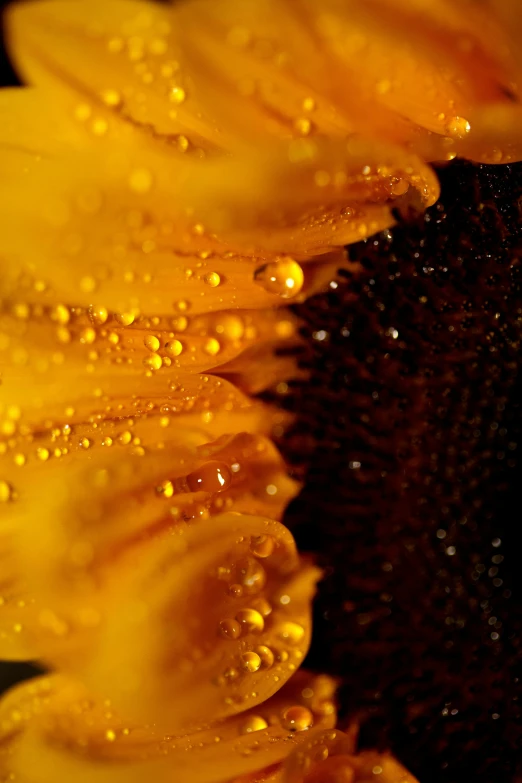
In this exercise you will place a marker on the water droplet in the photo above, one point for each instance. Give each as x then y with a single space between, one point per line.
6 492
251 574
230 326
399 187
152 343
320 753
212 346
61 314
250 620
253 723
42 454
210 477
283 278
87 336
177 95
212 279
98 314
153 362
180 324
303 126
125 319
266 655
251 662
262 606
308 104
173 348
458 127
230 629
262 546
125 438
236 591
297 718
166 488
291 632
111 97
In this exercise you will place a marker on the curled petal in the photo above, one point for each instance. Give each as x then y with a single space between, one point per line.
52 728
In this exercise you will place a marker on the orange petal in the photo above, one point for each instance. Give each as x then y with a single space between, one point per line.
52 729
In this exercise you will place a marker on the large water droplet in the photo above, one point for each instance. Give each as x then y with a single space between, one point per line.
250 662
283 278
297 718
210 477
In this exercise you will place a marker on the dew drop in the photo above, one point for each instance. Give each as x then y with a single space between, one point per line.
230 629
291 632
250 620
303 126
251 574
125 319
266 655
98 315
262 606
283 278
458 127
173 348
153 362
61 314
212 279
236 591
297 718
177 95
152 343
6 492
262 546
251 662
210 477
253 723
165 489
212 346
230 326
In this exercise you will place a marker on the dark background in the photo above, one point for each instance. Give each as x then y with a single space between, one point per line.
412 500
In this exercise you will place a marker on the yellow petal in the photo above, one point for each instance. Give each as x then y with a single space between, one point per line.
305 196
52 729
118 57
142 476
213 625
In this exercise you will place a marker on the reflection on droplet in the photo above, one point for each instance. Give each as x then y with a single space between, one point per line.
230 629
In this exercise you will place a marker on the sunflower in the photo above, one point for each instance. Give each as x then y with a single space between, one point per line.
177 175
